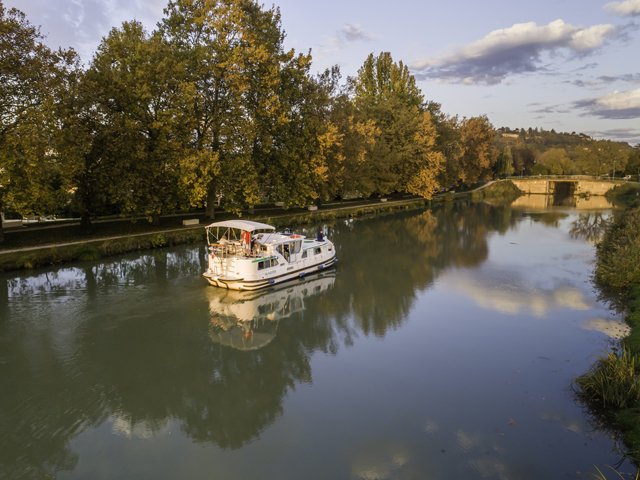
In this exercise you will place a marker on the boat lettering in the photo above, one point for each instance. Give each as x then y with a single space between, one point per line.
271 272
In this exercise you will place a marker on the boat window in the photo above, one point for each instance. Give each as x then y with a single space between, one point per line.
317 251
304 254
270 262
297 246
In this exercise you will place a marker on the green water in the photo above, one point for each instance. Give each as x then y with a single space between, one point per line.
441 346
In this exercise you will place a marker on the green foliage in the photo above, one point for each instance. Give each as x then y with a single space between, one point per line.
612 381
381 79
539 169
628 190
504 165
618 254
556 161
159 241
32 78
84 252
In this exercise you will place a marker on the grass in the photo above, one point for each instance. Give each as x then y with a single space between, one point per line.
502 188
612 381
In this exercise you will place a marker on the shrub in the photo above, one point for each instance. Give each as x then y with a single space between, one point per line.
159 241
625 190
611 381
86 252
618 254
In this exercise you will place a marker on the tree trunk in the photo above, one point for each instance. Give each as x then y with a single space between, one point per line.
155 219
319 202
85 224
211 200
1 230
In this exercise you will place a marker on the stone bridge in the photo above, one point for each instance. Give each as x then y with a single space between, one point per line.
566 186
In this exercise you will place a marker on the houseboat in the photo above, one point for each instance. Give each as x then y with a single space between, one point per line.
244 255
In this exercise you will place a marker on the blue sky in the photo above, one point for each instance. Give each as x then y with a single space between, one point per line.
564 64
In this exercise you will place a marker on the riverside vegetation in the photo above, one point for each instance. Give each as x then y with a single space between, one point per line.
611 387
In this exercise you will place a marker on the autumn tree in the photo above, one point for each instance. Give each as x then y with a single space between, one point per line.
477 137
235 63
405 156
31 75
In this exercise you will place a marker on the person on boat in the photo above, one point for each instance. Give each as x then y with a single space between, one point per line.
320 235
223 240
246 240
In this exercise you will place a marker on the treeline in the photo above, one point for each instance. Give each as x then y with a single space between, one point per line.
210 107
539 152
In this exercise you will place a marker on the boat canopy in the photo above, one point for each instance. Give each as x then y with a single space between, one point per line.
242 225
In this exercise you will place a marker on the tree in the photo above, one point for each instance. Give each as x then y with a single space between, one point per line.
557 162
477 137
504 165
141 97
405 156
599 156
234 60
30 76
381 79
633 162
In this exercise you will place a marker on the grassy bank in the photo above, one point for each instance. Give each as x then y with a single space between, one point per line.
611 387
628 192
95 249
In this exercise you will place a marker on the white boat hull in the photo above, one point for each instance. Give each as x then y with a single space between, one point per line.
236 283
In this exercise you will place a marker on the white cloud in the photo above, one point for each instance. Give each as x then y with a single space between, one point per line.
354 32
614 105
629 8
513 50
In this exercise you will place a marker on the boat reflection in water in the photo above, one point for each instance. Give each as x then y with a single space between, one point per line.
248 320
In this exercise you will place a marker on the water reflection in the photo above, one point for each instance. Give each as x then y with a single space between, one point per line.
543 202
590 226
249 320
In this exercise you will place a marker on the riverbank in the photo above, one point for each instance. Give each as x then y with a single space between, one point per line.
93 249
611 387
63 245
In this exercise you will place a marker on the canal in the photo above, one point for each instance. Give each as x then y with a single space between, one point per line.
441 346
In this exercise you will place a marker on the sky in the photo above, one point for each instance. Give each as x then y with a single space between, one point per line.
568 65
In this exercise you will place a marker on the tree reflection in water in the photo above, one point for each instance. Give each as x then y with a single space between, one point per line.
590 226
130 338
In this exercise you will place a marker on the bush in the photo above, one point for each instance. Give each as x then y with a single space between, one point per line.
159 241
625 190
86 252
611 381
618 254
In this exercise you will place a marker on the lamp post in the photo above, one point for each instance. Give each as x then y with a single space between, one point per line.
614 170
